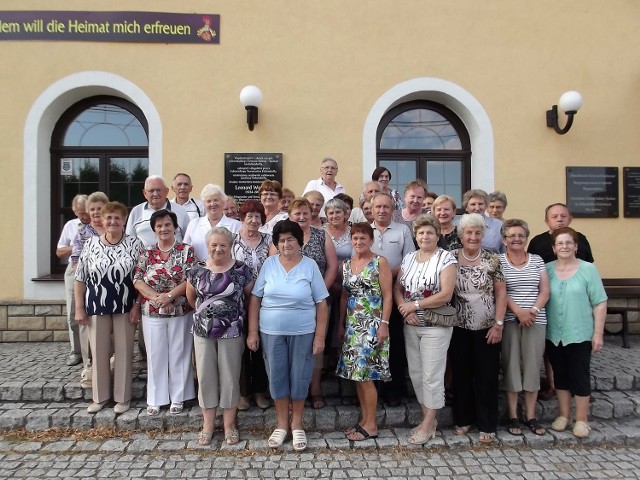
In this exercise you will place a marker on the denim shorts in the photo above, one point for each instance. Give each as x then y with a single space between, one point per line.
289 363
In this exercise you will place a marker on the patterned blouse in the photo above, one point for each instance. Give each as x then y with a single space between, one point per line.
107 272
474 296
165 276
252 257
342 243
220 307
314 249
84 234
450 241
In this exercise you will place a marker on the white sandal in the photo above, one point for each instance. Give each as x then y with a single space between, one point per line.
277 438
152 410
299 440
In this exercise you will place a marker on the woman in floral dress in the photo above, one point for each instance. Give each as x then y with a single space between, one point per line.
365 310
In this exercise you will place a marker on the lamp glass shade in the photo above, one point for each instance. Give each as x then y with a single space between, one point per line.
570 101
251 96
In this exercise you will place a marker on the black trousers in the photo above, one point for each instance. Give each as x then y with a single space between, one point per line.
397 387
476 367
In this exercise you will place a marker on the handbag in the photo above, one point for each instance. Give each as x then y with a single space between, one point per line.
444 316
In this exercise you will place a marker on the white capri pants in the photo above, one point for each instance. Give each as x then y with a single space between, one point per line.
169 349
426 349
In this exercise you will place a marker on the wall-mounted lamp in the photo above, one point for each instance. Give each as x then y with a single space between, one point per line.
570 102
251 98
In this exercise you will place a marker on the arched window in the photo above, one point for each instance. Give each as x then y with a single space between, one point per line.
98 144
423 139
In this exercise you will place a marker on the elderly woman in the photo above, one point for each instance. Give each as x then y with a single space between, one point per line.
93 207
252 247
218 289
497 205
476 201
576 313
289 301
426 280
270 193
316 200
285 201
337 227
444 209
105 301
524 324
367 210
414 194
365 308
213 198
161 279
319 247
480 297
382 175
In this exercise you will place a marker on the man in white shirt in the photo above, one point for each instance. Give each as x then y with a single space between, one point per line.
326 184
155 191
393 241
182 187
63 251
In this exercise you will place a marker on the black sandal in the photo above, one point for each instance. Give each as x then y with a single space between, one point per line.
365 435
535 426
513 426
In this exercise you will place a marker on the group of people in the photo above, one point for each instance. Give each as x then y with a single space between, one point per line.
297 285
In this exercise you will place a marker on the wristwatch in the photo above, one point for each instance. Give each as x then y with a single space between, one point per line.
500 322
169 295
417 304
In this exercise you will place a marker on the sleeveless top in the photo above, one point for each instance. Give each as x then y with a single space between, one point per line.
314 249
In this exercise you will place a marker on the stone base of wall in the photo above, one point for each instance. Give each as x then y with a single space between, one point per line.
46 321
33 321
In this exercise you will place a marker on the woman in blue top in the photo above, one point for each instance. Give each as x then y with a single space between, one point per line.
576 314
289 299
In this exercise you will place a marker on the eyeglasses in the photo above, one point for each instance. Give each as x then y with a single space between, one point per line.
517 235
565 244
329 168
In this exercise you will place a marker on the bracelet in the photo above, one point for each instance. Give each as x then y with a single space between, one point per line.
536 309
138 302
386 322
417 304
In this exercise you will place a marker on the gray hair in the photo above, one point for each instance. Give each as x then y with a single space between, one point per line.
336 203
514 222
78 200
476 192
155 177
210 190
97 197
471 220
381 194
498 196
219 231
328 159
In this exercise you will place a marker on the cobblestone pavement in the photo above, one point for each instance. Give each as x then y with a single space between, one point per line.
67 459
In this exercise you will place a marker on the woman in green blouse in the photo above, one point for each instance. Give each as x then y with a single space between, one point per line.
575 314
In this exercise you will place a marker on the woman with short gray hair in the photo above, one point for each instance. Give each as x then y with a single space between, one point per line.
218 289
213 197
497 205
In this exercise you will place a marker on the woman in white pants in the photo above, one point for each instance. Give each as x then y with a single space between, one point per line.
160 277
426 280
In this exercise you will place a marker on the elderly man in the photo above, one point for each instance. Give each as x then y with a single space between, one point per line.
370 189
155 191
558 215
182 187
63 251
326 184
393 241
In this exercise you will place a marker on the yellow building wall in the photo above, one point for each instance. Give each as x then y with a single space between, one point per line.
321 67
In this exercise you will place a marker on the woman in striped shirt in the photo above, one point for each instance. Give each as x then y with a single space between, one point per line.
525 324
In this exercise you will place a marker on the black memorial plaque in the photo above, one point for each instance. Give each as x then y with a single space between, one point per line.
592 192
631 191
244 172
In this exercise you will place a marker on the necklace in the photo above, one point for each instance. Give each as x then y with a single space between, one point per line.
361 264
471 259
168 249
517 264
109 241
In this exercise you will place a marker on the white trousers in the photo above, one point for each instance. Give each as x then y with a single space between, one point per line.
169 347
426 349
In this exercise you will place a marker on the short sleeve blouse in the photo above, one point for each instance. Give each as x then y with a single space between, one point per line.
523 285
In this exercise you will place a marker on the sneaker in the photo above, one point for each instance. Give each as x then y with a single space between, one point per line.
74 359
